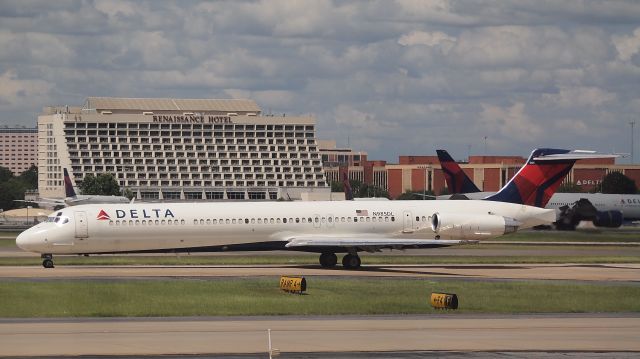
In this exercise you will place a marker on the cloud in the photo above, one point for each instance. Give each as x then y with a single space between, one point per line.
627 46
396 77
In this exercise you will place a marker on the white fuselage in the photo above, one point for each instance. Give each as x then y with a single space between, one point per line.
628 204
105 228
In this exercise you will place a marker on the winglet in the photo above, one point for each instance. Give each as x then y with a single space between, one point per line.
457 180
68 185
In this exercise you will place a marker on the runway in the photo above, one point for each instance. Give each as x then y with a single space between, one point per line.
321 334
623 273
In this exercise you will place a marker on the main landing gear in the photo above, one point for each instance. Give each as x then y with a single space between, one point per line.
349 261
47 260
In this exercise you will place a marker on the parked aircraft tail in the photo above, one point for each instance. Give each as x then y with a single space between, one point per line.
68 185
457 180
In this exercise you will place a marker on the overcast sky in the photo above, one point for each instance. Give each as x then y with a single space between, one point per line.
391 77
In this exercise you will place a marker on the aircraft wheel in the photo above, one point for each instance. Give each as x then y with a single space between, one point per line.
328 260
47 263
351 261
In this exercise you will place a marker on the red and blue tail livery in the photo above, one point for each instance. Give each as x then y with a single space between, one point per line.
68 186
457 180
539 179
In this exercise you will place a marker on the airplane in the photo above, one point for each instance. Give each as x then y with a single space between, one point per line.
73 199
604 210
327 228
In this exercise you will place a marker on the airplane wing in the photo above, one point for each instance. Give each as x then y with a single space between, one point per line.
372 243
42 201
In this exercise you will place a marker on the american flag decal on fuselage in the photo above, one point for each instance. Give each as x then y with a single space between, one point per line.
362 212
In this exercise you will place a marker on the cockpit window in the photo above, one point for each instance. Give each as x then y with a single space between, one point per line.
59 214
57 219
66 220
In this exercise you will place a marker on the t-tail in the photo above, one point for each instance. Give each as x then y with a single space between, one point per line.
457 180
68 185
540 177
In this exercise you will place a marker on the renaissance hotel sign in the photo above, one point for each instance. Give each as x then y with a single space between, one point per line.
191 119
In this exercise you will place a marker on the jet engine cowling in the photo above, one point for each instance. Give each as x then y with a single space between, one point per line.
472 226
609 219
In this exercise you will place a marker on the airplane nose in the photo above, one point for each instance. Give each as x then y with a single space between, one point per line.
26 241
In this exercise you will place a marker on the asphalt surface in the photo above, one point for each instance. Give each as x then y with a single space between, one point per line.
217 335
622 273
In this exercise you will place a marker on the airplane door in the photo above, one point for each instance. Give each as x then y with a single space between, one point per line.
408 222
82 228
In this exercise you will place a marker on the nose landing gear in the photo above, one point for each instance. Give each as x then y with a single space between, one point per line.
47 260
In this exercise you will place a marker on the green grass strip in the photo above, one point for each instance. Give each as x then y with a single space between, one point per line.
324 297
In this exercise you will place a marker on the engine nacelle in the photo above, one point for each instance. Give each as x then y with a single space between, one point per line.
610 219
472 226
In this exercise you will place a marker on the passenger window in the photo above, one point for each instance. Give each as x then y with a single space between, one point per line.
368 219
348 219
227 221
297 219
393 219
317 220
201 221
424 219
374 219
278 220
246 220
111 223
137 222
330 219
259 220
253 220
304 220
144 221
195 221
355 219
181 221
272 221
117 223
163 222
208 221
157 222
215 221
284 220
323 219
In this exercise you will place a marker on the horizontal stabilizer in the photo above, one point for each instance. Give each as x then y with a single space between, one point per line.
575 155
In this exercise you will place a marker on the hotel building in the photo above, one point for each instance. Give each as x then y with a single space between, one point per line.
18 148
188 149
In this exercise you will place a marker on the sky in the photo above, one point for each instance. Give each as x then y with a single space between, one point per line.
390 78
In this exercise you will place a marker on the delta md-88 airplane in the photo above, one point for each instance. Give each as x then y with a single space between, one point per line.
322 227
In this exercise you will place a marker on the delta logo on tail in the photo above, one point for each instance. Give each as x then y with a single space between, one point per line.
538 180
457 180
103 216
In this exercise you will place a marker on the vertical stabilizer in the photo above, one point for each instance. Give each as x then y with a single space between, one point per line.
457 180
68 185
539 178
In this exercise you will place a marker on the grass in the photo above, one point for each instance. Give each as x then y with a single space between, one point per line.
225 297
595 235
375 259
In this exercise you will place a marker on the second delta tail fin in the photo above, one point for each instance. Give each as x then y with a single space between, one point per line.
457 180
68 185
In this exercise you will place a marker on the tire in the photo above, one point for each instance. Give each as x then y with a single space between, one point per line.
351 261
47 263
328 260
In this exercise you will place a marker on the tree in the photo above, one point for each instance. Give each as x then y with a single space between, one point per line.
30 177
616 182
360 189
10 191
570 187
409 195
104 184
5 174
